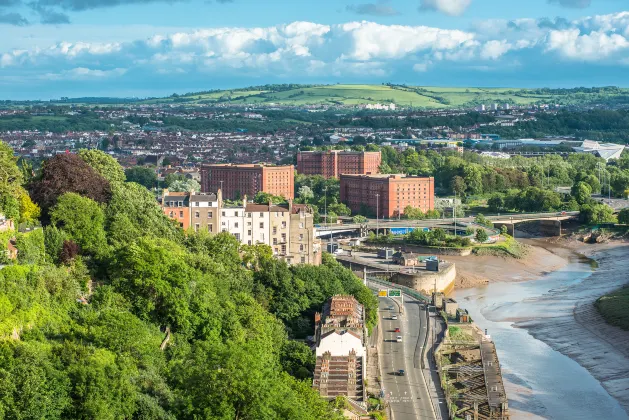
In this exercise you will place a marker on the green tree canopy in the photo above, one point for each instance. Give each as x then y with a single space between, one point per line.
83 219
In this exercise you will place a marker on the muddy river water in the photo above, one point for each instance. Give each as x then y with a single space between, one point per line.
540 382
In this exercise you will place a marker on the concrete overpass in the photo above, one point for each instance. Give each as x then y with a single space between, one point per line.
509 220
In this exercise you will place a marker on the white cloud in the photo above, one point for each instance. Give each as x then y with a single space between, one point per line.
572 44
297 50
449 7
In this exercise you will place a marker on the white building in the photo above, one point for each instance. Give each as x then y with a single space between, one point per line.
606 151
340 343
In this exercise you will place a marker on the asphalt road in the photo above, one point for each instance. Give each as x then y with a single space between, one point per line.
407 395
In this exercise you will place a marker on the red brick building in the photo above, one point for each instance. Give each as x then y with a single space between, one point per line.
240 180
332 163
389 194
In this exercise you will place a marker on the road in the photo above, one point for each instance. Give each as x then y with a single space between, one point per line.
407 395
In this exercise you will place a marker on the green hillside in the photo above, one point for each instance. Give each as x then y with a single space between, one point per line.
402 95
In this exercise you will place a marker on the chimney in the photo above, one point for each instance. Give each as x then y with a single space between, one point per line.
290 206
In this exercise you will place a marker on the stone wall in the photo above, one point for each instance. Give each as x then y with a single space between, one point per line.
425 281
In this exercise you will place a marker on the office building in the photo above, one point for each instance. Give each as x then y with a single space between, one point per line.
332 163
236 181
387 195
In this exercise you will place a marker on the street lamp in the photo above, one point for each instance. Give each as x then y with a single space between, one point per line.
377 213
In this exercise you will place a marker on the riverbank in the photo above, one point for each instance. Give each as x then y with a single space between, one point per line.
566 319
579 331
474 270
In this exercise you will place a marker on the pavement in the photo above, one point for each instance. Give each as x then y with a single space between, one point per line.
408 396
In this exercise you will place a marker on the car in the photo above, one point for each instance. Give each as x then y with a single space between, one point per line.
394 317
399 339
401 372
390 308
397 330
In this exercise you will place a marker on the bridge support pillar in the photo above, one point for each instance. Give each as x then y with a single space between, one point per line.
550 227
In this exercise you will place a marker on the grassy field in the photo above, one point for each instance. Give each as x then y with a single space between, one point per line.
403 95
615 308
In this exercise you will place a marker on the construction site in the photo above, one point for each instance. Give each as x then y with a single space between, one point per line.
470 374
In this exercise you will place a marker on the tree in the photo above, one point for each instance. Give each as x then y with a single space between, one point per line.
103 164
597 213
481 236
358 219
305 193
83 220
266 198
29 211
503 230
458 185
581 192
142 175
10 174
31 249
623 216
483 221
69 251
68 173
496 203
185 186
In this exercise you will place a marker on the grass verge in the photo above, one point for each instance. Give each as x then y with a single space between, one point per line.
614 308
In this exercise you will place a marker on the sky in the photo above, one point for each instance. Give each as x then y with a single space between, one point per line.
142 48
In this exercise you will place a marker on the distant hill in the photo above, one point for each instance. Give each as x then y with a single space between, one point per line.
401 95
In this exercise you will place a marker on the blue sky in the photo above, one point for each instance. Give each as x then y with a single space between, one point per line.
53 48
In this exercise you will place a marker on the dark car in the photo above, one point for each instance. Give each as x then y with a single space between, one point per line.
401 372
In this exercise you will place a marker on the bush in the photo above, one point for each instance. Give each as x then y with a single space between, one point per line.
481 236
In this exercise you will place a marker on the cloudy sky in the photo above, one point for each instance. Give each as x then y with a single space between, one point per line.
53 48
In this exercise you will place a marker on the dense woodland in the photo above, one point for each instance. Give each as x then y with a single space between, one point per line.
111 311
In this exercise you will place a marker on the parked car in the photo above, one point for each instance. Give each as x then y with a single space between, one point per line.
399 339
397 330
401 372
394 317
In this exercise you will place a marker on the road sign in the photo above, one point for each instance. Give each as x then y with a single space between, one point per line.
395 293
382 293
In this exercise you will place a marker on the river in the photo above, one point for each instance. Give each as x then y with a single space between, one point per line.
540 382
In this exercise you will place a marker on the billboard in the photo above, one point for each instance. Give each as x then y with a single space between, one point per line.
382 293
395 293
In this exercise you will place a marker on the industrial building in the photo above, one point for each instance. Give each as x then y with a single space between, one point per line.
332 163
236 181
387 195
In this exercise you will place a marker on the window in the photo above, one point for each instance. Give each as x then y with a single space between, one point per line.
301 225
301 247
261 225
223 214
283 249
196 227
222 223
303 260
180 204
283 225
248 242
209 214
274 241
261 214
301 236
236 224
197 214
209 228
181 214
274 230
172 214
196 204
283 237
237 235
248 233
236 213
248 223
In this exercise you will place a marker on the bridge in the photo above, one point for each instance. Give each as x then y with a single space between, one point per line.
508 220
